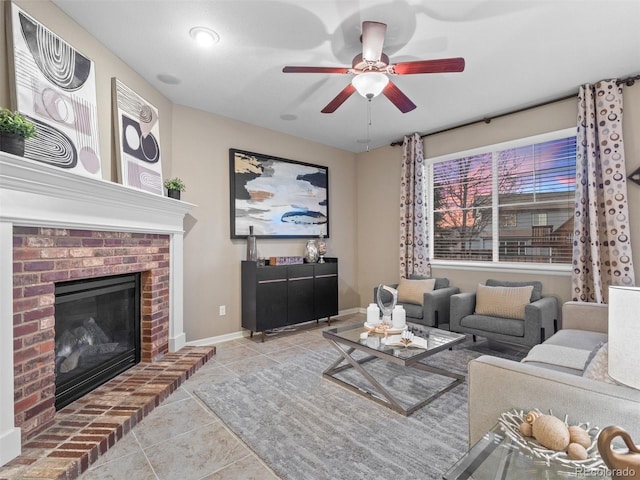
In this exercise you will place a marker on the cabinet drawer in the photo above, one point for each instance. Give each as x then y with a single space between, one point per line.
322 269
300 272
265 274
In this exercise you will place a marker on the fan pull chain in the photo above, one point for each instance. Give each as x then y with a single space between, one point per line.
368 123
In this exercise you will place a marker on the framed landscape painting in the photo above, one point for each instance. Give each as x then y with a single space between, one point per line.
278 197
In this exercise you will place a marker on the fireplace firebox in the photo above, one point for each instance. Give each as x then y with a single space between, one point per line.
97 333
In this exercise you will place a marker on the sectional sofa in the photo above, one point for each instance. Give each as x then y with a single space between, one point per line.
551 378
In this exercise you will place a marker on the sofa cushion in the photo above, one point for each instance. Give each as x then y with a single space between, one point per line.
412 291
558 355
536 294
441 282
582 339
505 326
506 302
413 311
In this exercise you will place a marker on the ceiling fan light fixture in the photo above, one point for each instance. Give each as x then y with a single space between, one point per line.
370 84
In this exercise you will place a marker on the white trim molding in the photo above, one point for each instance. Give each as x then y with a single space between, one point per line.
35 194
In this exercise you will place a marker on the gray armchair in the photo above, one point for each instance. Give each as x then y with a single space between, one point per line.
540 317
434 310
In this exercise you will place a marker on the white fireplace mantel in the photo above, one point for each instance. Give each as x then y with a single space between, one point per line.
39 195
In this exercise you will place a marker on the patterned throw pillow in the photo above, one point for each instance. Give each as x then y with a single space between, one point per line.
412 291
596 367
506 302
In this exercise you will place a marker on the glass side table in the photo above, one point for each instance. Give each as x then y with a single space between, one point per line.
496 456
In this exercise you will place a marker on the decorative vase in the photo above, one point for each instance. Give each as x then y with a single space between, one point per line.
252 247
173 194
12 143
322 248
311 252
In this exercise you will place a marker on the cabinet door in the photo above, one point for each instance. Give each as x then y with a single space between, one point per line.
326 290
300 294
271 298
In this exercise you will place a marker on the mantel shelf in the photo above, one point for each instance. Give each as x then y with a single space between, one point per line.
34 193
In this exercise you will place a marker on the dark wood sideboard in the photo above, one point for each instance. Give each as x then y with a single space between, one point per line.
281 295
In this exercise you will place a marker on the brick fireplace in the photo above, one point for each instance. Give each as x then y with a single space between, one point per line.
57 226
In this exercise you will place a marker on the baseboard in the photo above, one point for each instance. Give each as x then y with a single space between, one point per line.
245 333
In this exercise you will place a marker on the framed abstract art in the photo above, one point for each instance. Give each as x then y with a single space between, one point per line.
137 131
54 86
278 197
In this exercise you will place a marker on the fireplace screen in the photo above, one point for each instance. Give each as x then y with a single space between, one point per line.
97 325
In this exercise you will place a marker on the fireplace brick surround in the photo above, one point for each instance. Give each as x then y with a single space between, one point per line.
43 256
55 226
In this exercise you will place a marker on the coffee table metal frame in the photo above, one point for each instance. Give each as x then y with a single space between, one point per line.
346 340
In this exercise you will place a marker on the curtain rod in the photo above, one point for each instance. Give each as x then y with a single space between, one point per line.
629 81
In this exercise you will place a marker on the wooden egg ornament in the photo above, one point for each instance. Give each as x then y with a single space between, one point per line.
551 432
580 436
526 429
577 452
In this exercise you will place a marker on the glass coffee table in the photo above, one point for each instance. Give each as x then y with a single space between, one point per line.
347 340
497 456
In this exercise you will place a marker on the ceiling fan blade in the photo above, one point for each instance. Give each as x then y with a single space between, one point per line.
340 99
315 70
398 98
429 66
372 40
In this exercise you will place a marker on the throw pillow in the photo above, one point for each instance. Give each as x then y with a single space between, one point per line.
597 368
502 301
412 291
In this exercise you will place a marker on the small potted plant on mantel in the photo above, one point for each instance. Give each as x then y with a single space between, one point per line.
174 187
14 130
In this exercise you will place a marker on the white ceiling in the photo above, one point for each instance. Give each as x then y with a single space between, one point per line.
518 53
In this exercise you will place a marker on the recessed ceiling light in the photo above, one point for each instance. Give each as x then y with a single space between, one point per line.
204 36
288 116
363 140
168 79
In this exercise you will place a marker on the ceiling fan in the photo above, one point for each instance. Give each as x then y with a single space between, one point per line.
371 69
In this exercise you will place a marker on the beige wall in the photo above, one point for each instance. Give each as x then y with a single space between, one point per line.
212 269
378 193
364 189
107 66
195 147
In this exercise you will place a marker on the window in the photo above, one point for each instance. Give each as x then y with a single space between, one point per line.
512 202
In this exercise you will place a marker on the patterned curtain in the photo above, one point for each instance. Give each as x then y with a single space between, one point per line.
413 219
602 244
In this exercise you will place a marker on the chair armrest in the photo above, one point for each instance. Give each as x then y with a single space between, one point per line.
436 303
593 317
461 305
542 313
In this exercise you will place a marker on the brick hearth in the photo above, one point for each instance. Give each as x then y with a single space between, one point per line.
43 256
88 427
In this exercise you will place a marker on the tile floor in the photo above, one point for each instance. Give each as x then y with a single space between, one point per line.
183 439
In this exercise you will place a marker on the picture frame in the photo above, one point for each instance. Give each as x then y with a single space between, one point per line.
278 197
54 86
136 127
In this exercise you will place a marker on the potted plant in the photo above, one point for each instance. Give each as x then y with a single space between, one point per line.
14 130
174 187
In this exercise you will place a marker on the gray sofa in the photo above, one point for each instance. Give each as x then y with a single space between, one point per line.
434 311
546 381
540 317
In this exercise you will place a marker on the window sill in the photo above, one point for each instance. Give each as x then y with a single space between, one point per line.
563 269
